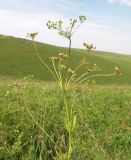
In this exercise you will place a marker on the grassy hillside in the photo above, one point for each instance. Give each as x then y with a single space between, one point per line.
18 59
34 115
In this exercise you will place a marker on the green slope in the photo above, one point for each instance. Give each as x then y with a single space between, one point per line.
18 59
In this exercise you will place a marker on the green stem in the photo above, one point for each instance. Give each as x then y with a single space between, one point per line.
37 123
97 75
58 75
67 124
42 61
66 107
69 47
80 77
68 82
76 29
61 77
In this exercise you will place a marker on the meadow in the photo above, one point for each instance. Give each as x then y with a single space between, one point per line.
32 111
103 123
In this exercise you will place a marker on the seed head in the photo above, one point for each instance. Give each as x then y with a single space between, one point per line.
71 72
62 66
88 70
95 67
62 56
89 47
117 71
32 35
82 18
53 58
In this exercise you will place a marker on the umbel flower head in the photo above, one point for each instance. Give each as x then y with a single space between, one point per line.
82 18
71 72
69 31
59 57
62 56
32 35
53 58
88 70
89 47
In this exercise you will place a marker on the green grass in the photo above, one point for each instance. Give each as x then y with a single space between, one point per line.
27 112
103 122
18 59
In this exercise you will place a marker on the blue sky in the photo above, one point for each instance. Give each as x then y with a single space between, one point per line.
108 23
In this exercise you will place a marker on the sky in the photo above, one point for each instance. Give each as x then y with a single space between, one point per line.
108 24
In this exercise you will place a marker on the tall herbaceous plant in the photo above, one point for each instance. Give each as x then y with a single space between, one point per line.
68 79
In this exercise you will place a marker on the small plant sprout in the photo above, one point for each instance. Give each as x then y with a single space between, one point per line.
69 31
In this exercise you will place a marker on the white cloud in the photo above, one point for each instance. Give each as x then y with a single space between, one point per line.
125 2
111 1
104 36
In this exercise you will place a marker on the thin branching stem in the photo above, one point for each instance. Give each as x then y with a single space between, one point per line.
66 81
60 74
80 77
57 75
42 61
76 29
69 81
78 67
69 46
68 125
96 75
70 36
